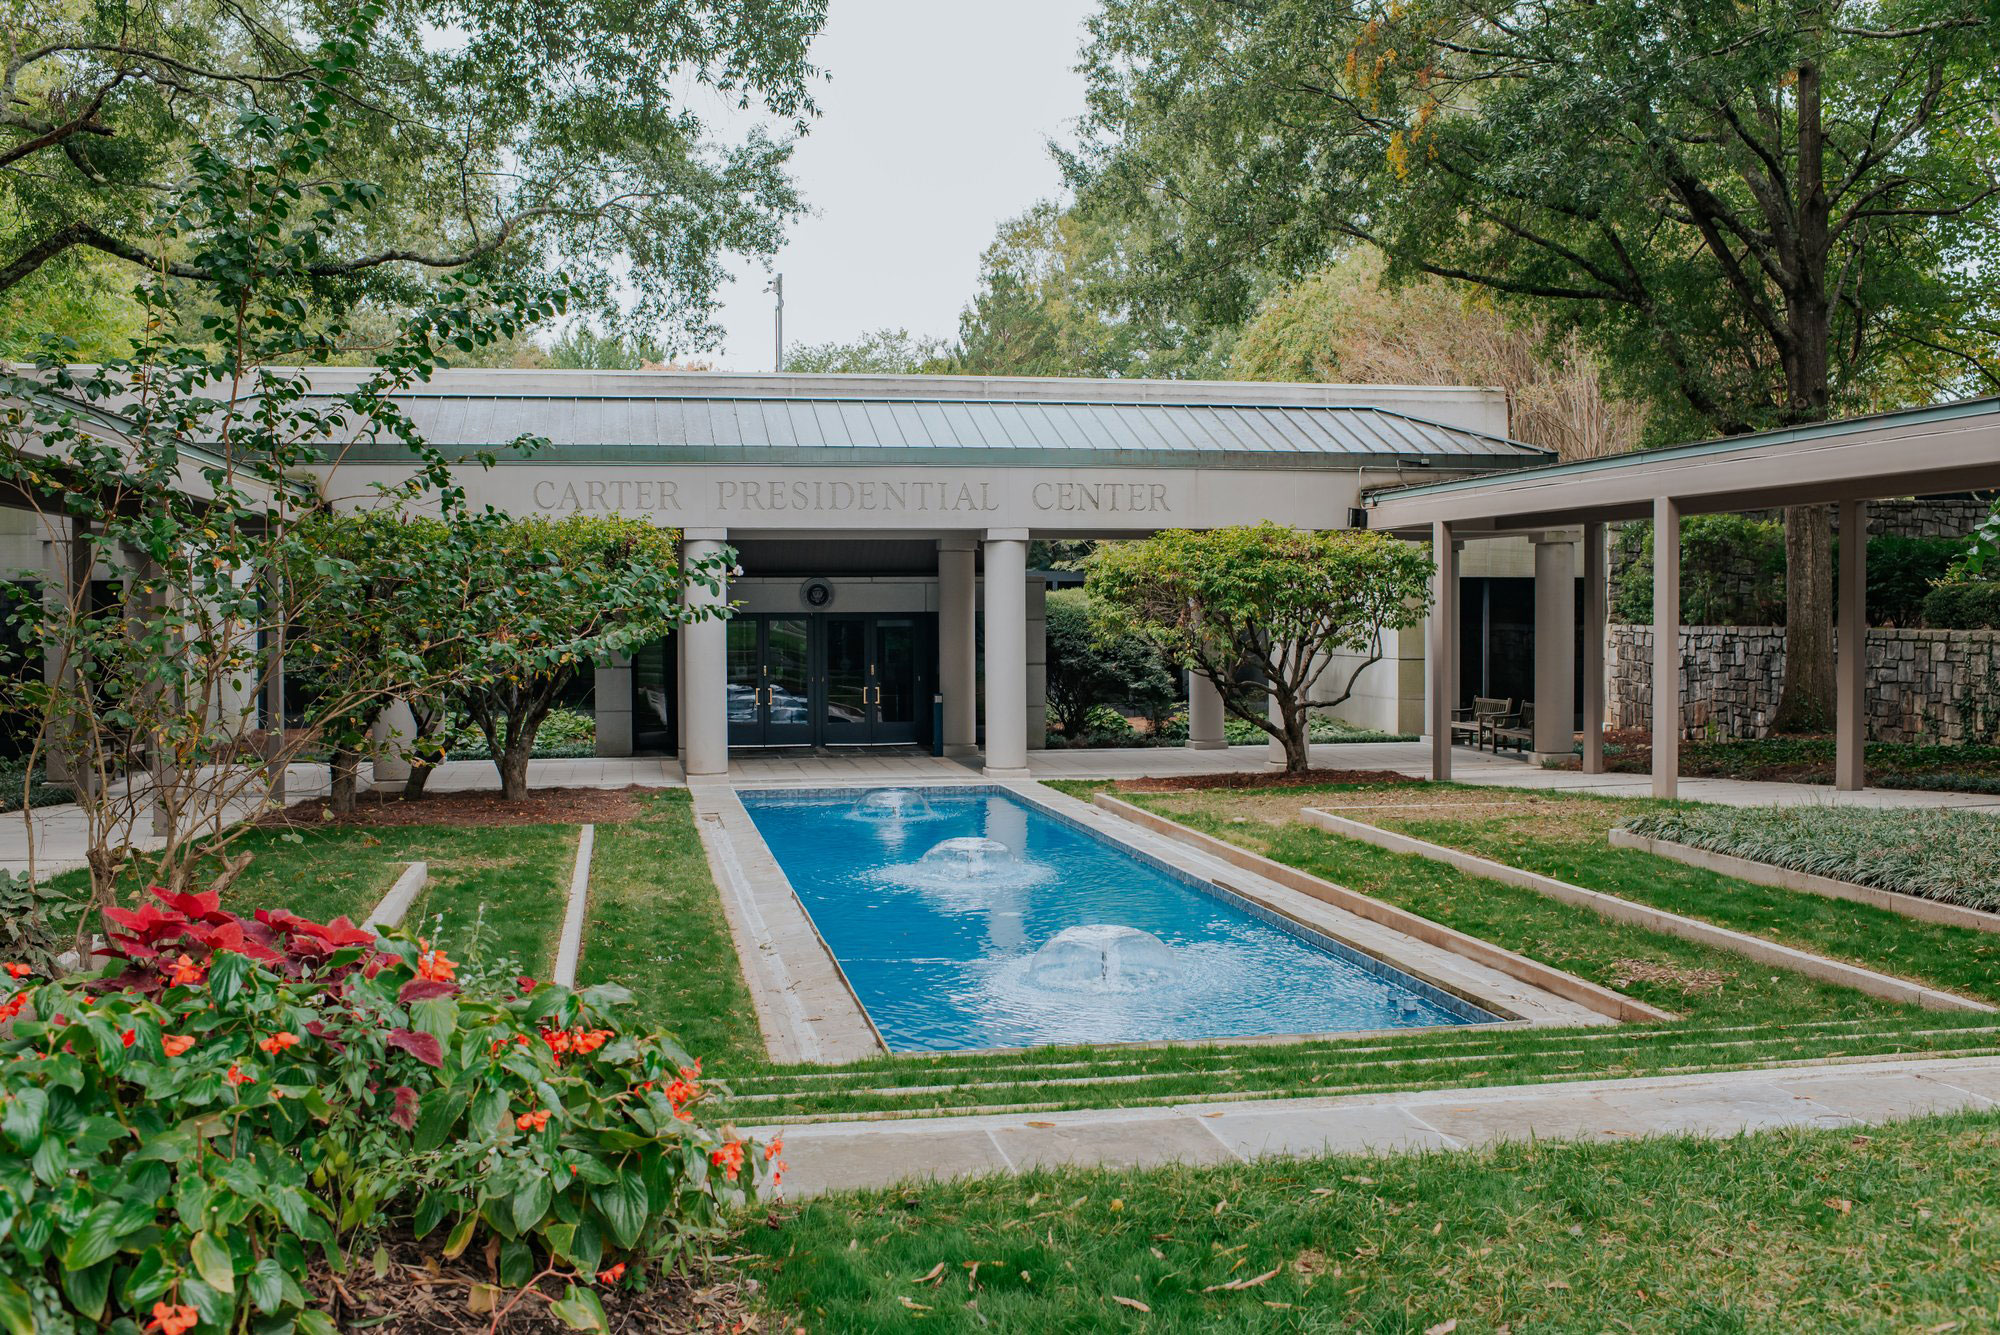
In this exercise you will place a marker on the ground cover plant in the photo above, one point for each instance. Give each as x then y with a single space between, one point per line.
1953 856
209 1130
1894 1228
1967 768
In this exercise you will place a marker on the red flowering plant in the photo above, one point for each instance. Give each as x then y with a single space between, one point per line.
227 1101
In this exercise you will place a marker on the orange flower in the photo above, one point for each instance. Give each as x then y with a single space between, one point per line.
729 1158
434 966
15 969
171 1319
129 1037
692 1072
774 1149
185 973
238 1076
778 1173
13 1006
532 1121
277 1043
590 1040
680 1091
613 1275
176 1044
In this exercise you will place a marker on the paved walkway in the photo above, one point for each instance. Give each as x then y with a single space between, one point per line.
59 841
839 1155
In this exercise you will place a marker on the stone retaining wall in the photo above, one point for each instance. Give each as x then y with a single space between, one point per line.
1923 685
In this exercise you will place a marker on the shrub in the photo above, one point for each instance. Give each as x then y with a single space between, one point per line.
1732 572
229 1101
1963 606
1090 665
564 734
1901 572
1950 856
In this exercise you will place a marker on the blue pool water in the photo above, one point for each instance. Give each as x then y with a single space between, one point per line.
967 918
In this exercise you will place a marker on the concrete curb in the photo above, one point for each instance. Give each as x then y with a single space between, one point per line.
1519 967
569 948
1784 878
389 913
1756 948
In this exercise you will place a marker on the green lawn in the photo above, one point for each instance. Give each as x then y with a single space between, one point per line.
1823 1230
656 926
1564 835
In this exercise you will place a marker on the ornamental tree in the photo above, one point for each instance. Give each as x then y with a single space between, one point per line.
1272 600
391 623
547 599
174 483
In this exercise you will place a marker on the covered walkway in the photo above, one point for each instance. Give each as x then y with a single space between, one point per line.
1847 464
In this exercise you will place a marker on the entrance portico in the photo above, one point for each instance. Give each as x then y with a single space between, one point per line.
883 525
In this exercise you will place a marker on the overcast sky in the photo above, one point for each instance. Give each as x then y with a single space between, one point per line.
935 123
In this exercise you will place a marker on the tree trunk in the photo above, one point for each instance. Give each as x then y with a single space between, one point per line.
346 767
513 765
413 787
1805 703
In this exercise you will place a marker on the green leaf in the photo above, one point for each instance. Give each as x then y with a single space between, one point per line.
623 1202
88 1289
266 1286
97 1239
579 1309
21 1115
312 1321
531 1202
16 1315
213 1262
461 1235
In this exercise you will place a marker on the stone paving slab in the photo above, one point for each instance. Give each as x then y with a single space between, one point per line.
827 1156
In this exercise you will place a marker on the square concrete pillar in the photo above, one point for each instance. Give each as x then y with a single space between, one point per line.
1442 686
1007 654
958 648
1596 619
1850 770
1555 645
1205 715
1666 646
1038 664
705 666
611 703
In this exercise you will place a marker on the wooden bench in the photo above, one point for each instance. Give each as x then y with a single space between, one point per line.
1517 729
1473 723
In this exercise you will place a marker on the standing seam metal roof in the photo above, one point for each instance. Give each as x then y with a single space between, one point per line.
689 427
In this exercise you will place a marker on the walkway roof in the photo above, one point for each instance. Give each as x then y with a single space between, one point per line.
1916 452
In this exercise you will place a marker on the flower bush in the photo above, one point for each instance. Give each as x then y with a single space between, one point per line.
186 1134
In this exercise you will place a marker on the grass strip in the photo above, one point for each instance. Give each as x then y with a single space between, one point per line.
498 893
656 925
1897 1228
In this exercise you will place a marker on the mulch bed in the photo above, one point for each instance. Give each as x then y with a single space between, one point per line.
1194 783
416 1295
542 806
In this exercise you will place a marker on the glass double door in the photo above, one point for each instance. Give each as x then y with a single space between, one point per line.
826 679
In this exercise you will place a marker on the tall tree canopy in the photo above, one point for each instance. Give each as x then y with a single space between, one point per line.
545 134
1763 214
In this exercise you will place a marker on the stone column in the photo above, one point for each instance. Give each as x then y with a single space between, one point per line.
1555 645
958 649
1666 646
611 703
704 667
1205 715
1007 653
390 738
1442 683
1596 612
1850 770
